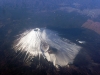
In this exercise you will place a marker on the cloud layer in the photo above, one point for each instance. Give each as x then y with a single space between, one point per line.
93 13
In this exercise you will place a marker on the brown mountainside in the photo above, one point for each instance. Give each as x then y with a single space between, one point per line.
95 26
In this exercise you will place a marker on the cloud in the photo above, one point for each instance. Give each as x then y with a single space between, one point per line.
93 13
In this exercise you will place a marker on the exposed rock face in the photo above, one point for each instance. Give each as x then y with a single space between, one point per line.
95 26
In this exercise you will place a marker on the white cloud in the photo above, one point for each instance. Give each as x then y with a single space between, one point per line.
93 13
